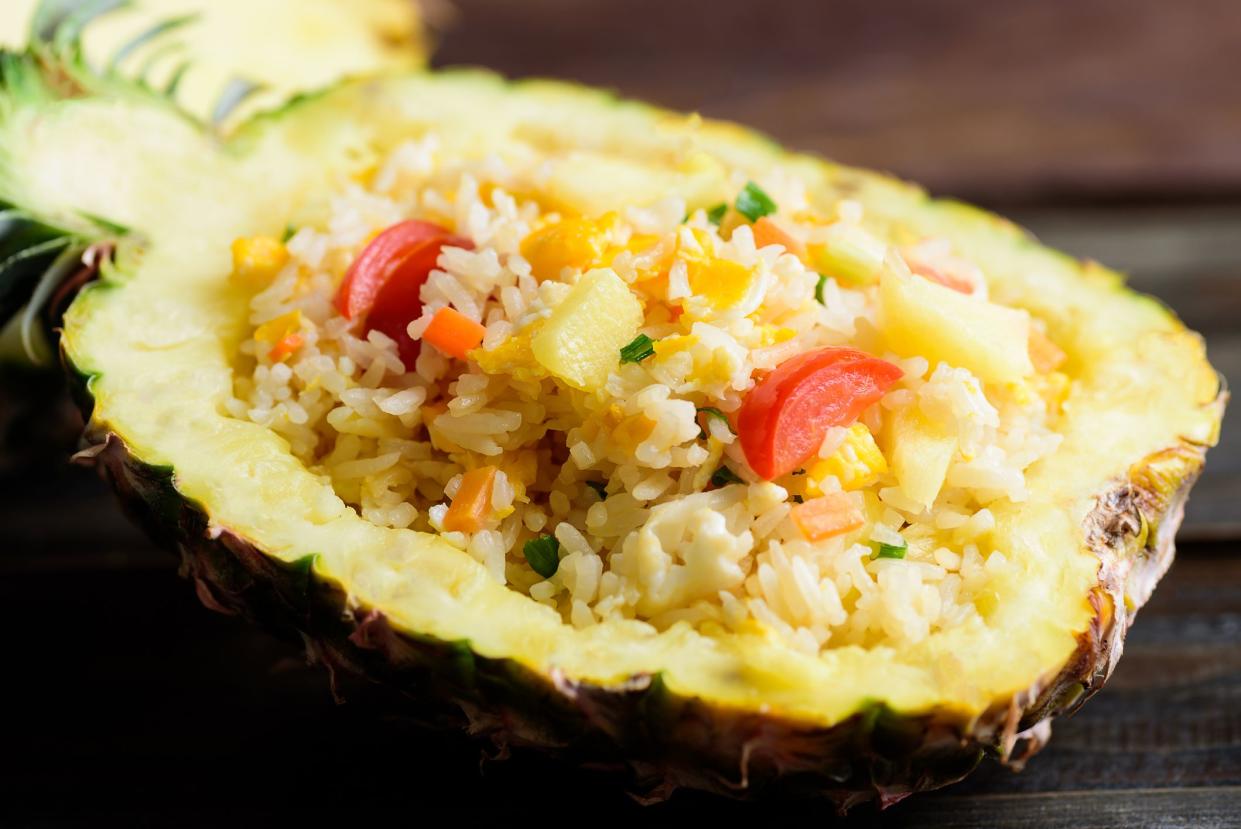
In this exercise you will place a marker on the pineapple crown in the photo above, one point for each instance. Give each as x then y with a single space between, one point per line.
55 39
46 254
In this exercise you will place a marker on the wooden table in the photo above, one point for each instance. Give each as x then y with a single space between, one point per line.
1104 125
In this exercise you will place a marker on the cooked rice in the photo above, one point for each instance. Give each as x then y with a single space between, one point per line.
664 547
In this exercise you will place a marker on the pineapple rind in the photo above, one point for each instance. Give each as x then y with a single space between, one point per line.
655 738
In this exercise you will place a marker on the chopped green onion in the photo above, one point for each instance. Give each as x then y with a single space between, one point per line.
724 476
715 215
753 203
638 350
600 488
711 411
289 232
891 550
543 553
818 289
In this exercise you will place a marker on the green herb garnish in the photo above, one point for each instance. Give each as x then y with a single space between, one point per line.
891 550
638 350
725 476
600 488
818 289
753 203
289 232
543 553
711 411
715 215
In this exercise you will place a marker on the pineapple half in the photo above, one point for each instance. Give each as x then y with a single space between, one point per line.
218 59
94 164
210 53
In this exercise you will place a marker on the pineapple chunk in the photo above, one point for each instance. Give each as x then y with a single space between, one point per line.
919 450
850 254
919 317
257 260
858 463
581 341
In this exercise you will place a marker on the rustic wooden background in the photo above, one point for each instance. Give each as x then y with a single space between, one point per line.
1111 128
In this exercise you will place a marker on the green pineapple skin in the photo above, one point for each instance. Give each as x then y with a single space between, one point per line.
658 740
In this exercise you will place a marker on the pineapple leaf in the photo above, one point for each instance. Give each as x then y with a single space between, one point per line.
149 35
60 22
22 274
234 94
107 227
33 343
157 54
174 82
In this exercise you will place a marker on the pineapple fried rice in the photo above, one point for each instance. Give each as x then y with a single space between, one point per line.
565 399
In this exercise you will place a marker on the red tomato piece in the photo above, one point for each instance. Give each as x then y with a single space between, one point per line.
785 417
383 284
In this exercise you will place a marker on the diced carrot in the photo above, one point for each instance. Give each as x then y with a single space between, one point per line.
831 514
1044 354
285 348
453 333
469 508
767 232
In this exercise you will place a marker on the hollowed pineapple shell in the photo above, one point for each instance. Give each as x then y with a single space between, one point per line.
150 343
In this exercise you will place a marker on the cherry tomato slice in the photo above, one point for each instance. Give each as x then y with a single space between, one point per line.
785 417
383 284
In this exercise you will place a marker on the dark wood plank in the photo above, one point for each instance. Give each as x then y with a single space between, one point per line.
1021 100
1214 808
